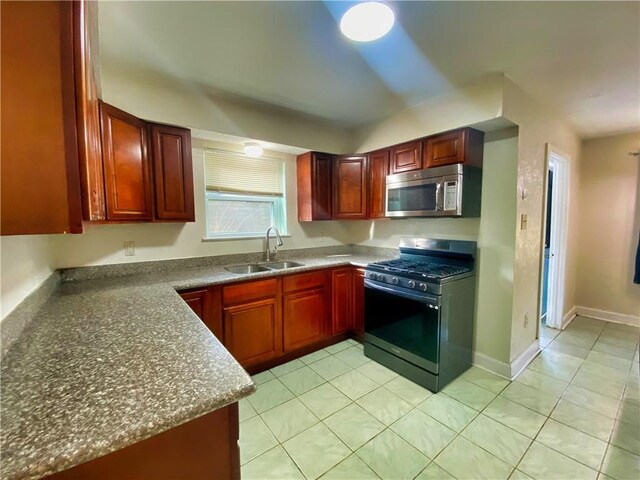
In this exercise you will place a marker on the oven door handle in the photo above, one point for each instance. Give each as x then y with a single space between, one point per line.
432 300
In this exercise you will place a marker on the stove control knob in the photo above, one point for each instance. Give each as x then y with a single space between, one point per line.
372 275
380 277
395 280
411 284
423 287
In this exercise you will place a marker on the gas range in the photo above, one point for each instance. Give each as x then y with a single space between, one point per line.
424 265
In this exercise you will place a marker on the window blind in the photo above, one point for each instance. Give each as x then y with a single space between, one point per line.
237 173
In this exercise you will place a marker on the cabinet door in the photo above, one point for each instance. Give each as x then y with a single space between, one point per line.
305 318
460 146
39 171
378 171
341 307
322 192
253 331
172 173
358 300
406 157
350 187
205 302
126 165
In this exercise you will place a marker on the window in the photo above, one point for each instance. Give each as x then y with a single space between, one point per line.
244 195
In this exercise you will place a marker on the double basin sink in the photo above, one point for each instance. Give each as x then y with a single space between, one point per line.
262 267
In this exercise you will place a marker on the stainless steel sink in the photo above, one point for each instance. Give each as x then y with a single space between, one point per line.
283 265
246 268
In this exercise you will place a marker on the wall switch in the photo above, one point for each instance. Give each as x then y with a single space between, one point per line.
526 320
129 248
523 221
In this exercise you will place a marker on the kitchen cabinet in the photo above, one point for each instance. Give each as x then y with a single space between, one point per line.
406 157
358 300
378 171
341 300
252 321
205 302
350 187
40 178
459 146
172 173
314 172
305 312
127 168
204 448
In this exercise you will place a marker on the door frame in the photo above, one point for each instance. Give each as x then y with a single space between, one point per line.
557 161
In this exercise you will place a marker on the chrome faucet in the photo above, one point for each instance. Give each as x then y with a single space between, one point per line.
267 250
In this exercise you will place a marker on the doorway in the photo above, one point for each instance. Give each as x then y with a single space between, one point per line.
554 237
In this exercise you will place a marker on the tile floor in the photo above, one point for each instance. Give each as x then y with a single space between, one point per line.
573 413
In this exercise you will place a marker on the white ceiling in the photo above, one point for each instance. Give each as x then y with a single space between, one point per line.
580 58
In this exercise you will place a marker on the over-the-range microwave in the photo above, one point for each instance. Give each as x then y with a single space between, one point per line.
449 191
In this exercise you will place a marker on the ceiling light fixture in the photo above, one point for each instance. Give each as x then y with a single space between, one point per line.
253 149
367 21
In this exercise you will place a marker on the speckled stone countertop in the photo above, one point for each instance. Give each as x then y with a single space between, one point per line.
108 362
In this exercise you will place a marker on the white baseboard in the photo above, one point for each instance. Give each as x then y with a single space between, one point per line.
568 318
503 369
524 359
608 316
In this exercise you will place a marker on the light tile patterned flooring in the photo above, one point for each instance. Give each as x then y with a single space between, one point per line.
573 413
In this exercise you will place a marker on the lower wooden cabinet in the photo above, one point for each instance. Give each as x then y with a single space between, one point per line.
305 310
205 302
341 301
253 331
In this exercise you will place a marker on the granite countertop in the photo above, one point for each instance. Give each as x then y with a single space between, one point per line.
108 362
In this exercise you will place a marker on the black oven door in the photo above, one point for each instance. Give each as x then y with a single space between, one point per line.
403 323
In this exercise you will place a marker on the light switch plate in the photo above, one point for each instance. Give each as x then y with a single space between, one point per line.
129 248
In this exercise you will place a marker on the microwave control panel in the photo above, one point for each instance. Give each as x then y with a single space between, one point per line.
450 195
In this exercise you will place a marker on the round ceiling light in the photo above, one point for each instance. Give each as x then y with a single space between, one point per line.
252 149
367 21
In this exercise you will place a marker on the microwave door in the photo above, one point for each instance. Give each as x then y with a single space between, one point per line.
418 198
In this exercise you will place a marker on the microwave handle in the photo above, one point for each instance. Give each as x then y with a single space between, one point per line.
439 205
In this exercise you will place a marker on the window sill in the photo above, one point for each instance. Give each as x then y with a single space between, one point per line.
250 237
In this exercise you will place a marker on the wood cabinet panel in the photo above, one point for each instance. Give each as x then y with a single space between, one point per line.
40 179
406 157
253 331
358 300
172 173
304 318
204 448
350 187
378 171
205 302
314 171
88 93
126 165
303 281
244 292
341 307
460 146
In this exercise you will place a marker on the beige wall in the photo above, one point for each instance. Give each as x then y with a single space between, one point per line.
608 225
537 127
104 244
25 262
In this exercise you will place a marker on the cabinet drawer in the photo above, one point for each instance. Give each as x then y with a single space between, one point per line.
245 292
303 281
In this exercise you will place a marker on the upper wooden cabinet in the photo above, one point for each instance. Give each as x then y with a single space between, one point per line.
406 157
378 171
459 146
40 179
148 170
350 187
314 172
127 171
172 173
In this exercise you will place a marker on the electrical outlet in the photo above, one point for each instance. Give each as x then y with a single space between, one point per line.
526 320
523 221
129 248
